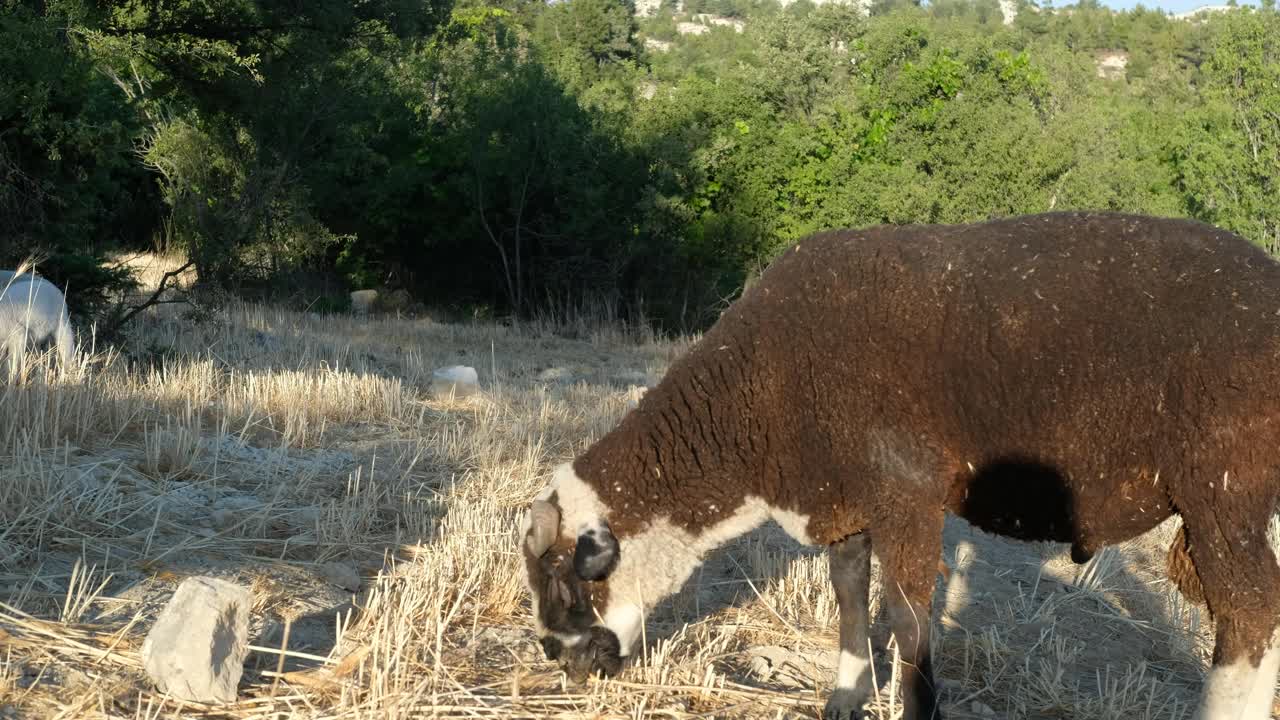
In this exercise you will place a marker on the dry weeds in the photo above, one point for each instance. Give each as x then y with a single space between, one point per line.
305 457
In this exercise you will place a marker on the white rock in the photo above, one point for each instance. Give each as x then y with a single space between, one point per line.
362 301
460 380
196 649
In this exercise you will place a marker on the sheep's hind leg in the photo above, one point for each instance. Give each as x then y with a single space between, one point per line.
13 351
909 546
850 561
1240 581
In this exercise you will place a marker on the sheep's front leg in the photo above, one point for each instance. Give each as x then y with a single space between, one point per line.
909 546
851 576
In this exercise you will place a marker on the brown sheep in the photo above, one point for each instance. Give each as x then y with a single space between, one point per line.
1071 377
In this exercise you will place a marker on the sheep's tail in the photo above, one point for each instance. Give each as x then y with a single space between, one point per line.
1182 570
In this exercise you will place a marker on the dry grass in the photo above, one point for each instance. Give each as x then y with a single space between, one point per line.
290 452
150 268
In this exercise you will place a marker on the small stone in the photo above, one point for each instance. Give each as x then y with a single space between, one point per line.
342 575
197 647
86 478
556 375
632 377
233 509
307 517
979 708
782 665
239 502
224 518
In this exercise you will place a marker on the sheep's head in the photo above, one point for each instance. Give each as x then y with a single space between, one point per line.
568 578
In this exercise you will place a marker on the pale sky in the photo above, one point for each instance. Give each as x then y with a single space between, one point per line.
1173 6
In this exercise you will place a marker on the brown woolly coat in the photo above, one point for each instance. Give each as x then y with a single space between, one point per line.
1068 376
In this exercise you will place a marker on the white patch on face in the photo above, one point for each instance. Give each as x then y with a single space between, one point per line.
851 669
595 528
796 525
657 562
580 505
569 639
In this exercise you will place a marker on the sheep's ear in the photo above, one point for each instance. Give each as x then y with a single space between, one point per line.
596 553
542 523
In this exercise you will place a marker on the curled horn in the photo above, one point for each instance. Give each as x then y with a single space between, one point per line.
544 526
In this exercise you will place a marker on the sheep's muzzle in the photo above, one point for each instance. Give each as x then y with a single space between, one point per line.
597 652
573 640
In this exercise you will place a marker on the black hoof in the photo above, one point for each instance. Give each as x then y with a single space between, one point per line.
845 704
1081 554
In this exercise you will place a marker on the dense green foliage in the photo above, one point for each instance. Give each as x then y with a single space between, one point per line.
513 154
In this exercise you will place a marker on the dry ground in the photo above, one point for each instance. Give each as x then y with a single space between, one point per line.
305 457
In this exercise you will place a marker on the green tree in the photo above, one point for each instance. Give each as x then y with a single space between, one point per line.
1228 159
69 189
248 100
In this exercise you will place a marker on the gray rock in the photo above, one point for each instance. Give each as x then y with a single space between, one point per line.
788 667
196 649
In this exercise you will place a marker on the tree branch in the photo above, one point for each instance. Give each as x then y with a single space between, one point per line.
155 296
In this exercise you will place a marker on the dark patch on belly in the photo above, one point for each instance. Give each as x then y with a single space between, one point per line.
1020 498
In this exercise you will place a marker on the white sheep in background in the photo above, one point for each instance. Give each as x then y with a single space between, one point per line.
33 313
